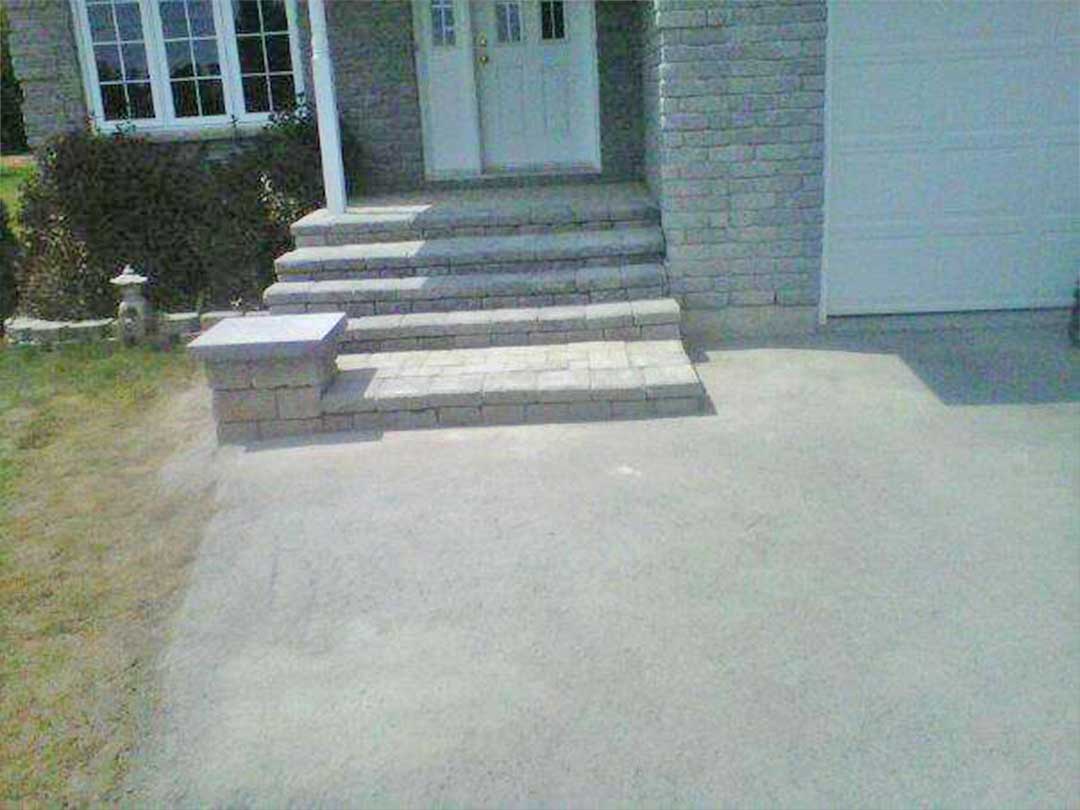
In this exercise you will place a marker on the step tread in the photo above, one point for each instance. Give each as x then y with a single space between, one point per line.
596 372
646 312
583 279
472 250
458 208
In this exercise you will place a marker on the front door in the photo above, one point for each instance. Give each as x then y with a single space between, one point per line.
536 68
507 85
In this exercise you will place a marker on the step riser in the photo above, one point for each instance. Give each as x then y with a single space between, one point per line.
358 309
512 414
420 268
625 333
370 234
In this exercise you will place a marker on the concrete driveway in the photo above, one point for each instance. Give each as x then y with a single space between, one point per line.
856 583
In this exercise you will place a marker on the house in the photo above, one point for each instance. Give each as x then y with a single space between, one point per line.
771 163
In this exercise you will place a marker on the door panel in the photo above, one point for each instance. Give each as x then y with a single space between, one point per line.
536 79
444 61
952 174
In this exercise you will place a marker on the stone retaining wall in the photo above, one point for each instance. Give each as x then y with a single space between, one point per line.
24 331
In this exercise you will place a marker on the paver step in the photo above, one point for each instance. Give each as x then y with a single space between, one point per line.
472 254
385 296
622 320
480 212
510 385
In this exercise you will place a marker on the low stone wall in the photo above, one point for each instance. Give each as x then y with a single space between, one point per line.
268 375
24 331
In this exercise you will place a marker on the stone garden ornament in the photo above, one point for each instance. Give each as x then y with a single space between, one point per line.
133 314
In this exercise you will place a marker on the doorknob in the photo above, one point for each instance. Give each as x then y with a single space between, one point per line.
481 41
483 59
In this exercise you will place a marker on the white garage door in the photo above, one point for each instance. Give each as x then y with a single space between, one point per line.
953 167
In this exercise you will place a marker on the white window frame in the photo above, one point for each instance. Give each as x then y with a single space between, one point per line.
166 120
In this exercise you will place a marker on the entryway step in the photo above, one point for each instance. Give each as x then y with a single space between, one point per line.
386 296
454 212
472 254
510 385
652 319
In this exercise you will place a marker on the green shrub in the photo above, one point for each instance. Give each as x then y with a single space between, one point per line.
7 266
204 228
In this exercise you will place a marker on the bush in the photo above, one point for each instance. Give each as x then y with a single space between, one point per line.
7 267
204 229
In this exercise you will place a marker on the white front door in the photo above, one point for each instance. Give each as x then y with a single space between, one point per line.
507 85
536 71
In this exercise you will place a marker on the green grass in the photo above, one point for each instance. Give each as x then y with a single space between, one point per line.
13 171
90 552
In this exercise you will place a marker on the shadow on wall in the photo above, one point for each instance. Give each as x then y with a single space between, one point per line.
1008 366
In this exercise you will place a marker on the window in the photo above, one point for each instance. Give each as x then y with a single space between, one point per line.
552 23
262 42
188 63
442 22
508 22
116 34
191 50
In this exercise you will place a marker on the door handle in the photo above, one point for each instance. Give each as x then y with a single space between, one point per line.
484 59
481 41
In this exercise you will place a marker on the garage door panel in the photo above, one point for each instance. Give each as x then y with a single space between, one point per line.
880 186
952 156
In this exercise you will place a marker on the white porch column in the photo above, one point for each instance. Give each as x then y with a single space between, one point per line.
326 103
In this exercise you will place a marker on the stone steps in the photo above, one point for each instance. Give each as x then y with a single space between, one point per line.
472 254
653 319
511 385
385 296
480 212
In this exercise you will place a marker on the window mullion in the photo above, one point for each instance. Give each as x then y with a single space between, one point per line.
159 65
230 65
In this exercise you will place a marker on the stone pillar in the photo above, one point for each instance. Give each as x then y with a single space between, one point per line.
268 374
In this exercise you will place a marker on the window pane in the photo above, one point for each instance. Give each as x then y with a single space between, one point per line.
246 15
273 16
185 99
107 58
179 55
114 101
173 20
212 96
102 28
508 22
201 15
552 24
135 62
442 22
142 100
256 98
277 53
251 54
206 57
128 21
283 92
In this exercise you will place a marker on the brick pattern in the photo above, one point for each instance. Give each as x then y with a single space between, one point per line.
735 148
588 285
262 399
576 382
46 62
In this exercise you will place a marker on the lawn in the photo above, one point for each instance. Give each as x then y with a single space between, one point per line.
93 551
14 169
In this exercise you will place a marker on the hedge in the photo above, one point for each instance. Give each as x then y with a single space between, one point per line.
205 229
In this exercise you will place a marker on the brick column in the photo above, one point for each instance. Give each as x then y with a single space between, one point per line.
268 374
738 155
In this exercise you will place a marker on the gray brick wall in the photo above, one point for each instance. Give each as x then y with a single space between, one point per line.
46 61
737 155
